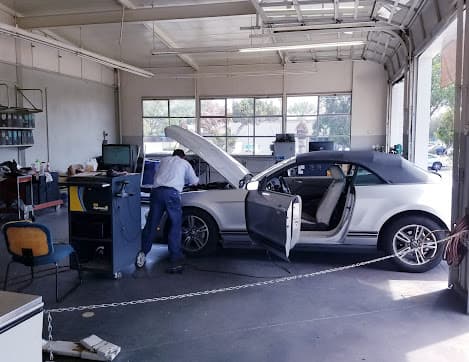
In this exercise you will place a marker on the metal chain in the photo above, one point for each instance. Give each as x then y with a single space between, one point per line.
238 287
49 328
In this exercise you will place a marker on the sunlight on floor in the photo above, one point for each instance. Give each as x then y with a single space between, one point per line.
402 289
456 346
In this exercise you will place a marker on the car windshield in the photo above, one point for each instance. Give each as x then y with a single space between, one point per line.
273 168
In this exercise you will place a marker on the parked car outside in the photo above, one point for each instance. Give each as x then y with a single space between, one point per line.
437 149
436 163
332 199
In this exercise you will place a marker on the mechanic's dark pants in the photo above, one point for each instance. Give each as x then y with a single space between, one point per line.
164 199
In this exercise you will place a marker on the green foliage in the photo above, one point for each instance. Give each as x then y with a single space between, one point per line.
445 130
440 97
161 110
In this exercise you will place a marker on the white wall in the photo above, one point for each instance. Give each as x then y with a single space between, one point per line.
368 105
366 81
80 102
396 126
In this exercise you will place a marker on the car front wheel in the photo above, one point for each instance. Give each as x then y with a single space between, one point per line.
199 233
414 240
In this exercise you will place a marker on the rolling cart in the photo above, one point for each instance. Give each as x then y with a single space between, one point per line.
104 222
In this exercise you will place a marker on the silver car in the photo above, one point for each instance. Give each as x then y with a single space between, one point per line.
323 198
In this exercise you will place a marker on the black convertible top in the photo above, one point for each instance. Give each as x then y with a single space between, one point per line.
390 167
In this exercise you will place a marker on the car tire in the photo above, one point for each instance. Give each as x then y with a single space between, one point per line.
436 166
419 233
200 235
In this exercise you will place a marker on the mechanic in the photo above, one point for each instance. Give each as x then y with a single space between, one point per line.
174 172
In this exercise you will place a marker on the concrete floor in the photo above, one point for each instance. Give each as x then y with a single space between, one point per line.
365 314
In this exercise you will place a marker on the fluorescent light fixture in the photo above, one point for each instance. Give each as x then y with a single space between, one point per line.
94 57
302 46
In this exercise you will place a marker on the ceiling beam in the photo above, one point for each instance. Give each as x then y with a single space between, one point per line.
162 36
298 11
344 26
260 12
139 15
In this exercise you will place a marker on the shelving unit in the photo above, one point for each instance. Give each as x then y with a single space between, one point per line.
16 121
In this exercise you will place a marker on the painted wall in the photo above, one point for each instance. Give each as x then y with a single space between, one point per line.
368 105
80 102
77 111
367 82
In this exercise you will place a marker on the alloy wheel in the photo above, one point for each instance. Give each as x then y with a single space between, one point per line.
415 244
195 233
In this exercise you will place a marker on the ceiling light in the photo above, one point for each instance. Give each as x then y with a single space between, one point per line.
348 32
302 46
94 57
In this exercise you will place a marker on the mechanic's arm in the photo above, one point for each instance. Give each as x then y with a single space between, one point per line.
190 176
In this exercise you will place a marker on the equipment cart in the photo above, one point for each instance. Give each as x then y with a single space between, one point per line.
104 221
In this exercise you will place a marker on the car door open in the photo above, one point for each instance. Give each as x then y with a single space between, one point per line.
273 220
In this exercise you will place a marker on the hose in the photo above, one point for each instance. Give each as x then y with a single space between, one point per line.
456 248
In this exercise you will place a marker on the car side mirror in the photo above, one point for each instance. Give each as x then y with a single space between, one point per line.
245 180
252 186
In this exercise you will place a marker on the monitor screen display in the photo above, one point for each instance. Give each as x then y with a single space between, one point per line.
321 146
117 155
149 169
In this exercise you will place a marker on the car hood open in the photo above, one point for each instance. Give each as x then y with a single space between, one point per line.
225 164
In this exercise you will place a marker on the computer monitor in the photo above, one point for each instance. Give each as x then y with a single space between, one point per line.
118 156
149 168
321 146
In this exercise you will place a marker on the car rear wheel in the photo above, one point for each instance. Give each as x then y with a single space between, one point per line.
199 233
414 240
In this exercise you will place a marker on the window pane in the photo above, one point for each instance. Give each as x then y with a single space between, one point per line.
213 126
219 141
263 145
154 126
166 145
365 177
182 107
187 123
299 106
240 126
333 125
302 128
335 104
240 107
155 108
341 143
268 106
212 107
240 145
268 126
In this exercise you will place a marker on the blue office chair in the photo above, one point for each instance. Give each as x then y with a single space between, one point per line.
31 244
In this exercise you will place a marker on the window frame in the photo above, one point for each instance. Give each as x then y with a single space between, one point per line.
168 117
254 117
318 114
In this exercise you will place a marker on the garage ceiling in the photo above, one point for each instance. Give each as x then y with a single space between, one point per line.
131 30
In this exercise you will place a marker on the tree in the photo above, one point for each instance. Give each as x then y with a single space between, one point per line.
444 132
334 119
440 97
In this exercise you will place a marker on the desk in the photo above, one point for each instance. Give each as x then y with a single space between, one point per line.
30 193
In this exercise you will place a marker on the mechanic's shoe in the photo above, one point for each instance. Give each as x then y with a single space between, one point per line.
175 268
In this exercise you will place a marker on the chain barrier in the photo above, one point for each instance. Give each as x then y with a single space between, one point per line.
49 329
241 286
